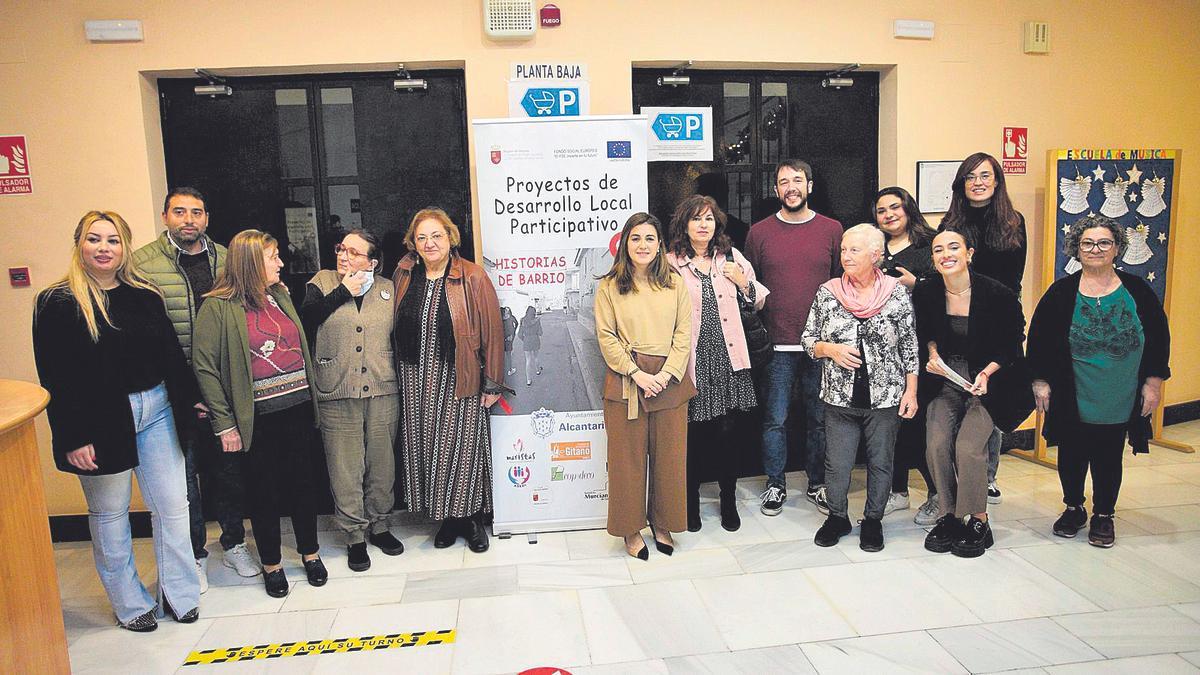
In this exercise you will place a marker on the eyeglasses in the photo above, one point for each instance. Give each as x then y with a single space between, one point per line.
984 178
1087 245
339 249
436 237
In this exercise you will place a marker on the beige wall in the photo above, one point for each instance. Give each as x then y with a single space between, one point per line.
1120 75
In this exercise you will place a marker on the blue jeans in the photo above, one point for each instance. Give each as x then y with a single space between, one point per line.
160 474
781 375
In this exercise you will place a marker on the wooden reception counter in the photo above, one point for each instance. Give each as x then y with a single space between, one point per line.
32 638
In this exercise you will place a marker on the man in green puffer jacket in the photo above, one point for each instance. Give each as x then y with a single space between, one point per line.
184 262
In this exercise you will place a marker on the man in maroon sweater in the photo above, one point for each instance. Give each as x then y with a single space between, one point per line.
793 252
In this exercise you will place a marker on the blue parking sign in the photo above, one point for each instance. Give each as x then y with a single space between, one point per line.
678 127
551 102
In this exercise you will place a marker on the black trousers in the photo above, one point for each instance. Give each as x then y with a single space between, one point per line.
280 467
221 474
910 454
1100 447
712 450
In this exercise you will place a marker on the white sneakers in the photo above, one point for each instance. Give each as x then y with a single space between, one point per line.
202 572
239 560
927 514
897 501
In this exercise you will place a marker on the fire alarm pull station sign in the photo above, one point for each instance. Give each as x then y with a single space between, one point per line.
1016 150
14 166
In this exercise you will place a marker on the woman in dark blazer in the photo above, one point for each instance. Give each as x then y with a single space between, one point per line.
971 324
106 352
1099 347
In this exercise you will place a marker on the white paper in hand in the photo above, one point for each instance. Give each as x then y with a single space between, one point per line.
954 377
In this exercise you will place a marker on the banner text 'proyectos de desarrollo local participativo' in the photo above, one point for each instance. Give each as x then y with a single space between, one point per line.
565 205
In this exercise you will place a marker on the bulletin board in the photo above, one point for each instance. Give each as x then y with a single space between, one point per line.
1136 188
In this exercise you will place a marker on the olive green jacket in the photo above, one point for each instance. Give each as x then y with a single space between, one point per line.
159 261
221 361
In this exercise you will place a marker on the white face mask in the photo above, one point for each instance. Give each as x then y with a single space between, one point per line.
368 281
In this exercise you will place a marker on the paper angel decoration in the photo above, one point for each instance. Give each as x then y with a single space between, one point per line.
1115 204
1074 193
1073 265
1138 252
1152 197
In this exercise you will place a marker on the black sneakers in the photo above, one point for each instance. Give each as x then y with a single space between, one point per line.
1102 533
994 496
357 557
870 535
1070 522
943 535
386 542
974 538
832 531
817 496
772 500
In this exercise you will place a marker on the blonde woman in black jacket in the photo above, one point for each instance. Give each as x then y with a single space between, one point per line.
106 352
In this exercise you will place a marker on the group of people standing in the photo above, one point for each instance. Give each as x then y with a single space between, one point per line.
901 342
898 340
187 353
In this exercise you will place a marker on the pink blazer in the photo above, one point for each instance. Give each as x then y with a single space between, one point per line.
727 305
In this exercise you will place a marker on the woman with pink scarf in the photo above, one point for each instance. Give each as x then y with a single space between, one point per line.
861 325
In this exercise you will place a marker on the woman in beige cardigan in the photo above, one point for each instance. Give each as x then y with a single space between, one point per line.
643 322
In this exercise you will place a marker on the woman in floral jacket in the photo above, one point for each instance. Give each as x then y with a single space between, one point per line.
861 326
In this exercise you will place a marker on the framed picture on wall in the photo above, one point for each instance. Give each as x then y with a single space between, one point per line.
934 184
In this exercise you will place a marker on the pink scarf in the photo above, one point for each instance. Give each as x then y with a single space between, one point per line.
862 305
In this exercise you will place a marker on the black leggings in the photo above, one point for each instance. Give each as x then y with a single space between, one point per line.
711 449
910 454
280 468
1100 446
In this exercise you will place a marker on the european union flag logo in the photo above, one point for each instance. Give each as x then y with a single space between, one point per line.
620 149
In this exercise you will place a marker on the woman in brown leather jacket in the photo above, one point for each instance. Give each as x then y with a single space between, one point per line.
449 350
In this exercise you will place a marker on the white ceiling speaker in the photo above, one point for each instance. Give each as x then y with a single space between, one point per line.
509 19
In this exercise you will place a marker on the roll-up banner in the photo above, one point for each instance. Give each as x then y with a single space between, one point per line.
553 197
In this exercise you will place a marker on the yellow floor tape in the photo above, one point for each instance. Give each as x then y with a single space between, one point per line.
351 644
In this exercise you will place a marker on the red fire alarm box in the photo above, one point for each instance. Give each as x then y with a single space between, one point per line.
18 276
551 16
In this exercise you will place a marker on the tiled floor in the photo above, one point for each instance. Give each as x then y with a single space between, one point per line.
761 600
